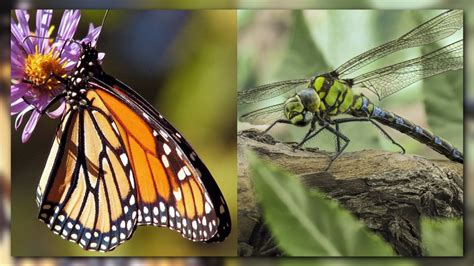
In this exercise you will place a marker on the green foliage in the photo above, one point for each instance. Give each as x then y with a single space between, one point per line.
302 58
442 93
307 223
442 237
347 261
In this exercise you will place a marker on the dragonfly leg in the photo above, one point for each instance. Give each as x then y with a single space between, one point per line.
367 119
309 136
339 135
283 121
338 139
311 129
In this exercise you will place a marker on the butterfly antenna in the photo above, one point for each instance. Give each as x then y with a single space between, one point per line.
103 22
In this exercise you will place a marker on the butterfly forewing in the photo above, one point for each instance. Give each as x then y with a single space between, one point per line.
173 187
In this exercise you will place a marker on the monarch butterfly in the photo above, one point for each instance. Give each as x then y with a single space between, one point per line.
117 163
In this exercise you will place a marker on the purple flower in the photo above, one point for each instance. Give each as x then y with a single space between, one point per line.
35 56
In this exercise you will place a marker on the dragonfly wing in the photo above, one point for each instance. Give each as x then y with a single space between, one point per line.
264 115
268 91
388 80
431 31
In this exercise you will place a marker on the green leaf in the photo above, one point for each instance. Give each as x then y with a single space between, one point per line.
302 58
308 223
347 261
444 106
444 101
442 237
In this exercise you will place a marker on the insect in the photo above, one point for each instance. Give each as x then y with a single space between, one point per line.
117 163
318 100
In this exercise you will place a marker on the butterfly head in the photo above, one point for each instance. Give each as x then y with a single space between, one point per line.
86 69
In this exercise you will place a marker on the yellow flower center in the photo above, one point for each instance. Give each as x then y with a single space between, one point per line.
39 69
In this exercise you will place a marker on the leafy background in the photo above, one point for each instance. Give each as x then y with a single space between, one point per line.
279 45
305 222
189 84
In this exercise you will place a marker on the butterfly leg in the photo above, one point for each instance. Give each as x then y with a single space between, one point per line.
51 103
367 119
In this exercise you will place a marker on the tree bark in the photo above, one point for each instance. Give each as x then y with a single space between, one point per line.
388 191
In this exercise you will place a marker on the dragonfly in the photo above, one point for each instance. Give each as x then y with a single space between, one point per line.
320 101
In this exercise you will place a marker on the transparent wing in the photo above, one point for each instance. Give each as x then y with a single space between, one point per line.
388 80
268 91
431 31
265 115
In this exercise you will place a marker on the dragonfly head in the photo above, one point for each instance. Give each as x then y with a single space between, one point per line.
296 112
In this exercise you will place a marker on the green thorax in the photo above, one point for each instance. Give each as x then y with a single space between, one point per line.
336 95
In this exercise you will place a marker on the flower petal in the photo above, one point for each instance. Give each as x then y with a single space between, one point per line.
18 106
58 112
18 90
43 20
19 118
92 35
68 25
23 17
30 126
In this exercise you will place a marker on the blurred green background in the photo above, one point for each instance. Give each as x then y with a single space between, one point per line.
277 45
184 64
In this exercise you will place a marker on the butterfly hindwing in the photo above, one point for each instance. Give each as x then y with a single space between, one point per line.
86 194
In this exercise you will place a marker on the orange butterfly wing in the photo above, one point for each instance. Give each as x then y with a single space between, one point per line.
126 165
84 190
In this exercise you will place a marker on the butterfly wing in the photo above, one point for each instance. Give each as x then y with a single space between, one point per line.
174 188
86 193
118 163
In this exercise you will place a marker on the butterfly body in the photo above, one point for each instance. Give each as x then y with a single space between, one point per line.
88 66
117 163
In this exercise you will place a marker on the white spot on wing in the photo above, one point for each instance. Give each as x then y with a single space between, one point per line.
132 180
180 154
186 170
164 159
164 135
207 208
114 126
124 158
181 174
177 194
167 149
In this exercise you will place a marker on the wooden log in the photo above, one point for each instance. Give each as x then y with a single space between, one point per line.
388 191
